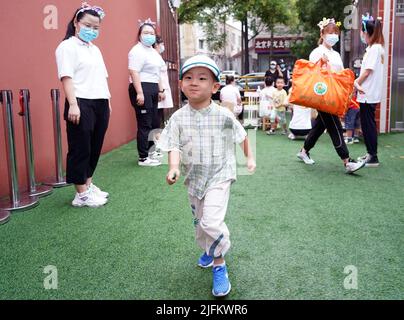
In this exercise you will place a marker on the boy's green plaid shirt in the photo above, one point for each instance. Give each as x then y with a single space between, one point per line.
206 140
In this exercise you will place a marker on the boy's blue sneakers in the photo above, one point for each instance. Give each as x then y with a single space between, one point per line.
221 283
205 261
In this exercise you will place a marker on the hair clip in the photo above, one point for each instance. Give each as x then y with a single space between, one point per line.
147 21
86 7
325 22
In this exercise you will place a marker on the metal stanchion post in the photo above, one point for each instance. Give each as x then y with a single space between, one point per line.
60 179
4 216
18 201
34 188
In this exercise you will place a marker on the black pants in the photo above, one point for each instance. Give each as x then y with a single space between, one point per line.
368 124
147 116
334 128
85 140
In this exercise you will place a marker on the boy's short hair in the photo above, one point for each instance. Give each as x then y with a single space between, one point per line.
229 79
201 61
279 78
269 81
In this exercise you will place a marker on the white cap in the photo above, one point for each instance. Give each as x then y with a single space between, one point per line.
201 61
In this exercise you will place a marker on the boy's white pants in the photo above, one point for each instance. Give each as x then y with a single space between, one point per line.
211 233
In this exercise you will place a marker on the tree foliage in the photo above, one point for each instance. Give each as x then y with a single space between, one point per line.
260 14
309 13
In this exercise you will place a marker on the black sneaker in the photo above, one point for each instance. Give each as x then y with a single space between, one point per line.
372 162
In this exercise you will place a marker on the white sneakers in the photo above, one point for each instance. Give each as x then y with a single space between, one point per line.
98 191
149 162
94 197
156 155
351 166
305 157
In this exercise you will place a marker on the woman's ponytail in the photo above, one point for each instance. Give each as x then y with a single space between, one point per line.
71 29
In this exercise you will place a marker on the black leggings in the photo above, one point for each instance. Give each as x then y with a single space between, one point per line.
147 116
368 124
85 140
334 128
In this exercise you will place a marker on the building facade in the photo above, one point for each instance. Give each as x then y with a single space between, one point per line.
193 41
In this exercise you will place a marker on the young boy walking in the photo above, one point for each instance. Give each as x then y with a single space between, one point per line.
201 137
280 98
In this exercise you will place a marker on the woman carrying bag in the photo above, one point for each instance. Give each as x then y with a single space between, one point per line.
329 36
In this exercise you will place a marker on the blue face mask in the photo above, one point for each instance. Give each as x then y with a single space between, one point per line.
331 39
148 40
87 34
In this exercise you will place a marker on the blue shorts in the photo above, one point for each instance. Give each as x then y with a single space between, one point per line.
352 120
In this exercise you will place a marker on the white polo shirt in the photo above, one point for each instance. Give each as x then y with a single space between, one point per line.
83 63
373 85
334 57
147 62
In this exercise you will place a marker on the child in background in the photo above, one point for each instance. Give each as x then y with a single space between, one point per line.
300 124
230 96
280 98
201 136
266 98
352 122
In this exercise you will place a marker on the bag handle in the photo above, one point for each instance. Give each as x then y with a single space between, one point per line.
320 63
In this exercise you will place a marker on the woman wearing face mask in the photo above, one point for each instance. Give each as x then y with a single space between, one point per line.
286 74
82 70
146 90
274 71
329 36
370 84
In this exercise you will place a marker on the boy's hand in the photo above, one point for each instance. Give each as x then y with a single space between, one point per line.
172 176
251 165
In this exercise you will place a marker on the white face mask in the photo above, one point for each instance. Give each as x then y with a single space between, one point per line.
331 39
162 48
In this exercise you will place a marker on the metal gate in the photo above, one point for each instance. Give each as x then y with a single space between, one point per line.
168 22
397 95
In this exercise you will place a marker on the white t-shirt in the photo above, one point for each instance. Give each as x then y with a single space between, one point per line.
334 57
373 85
147 62
230 93
266 101
168 101
301 119
83 63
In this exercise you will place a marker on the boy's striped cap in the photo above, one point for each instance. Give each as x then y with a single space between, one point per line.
201 61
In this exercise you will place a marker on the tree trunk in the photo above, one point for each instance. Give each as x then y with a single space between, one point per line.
246 49
242 48
271 48
225 44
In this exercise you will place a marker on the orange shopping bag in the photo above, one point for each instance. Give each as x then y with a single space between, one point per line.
320 88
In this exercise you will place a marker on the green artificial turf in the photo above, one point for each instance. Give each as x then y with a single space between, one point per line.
294 228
